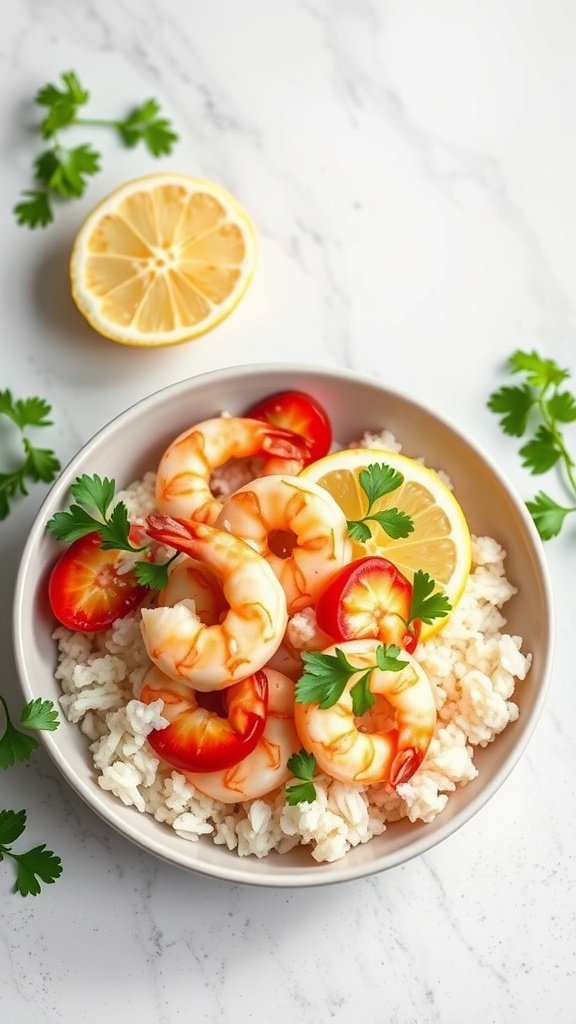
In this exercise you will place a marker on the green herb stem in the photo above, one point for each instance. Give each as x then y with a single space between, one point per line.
565 456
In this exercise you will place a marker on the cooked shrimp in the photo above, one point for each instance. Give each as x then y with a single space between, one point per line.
201 739
297 527
183 479
393 751
214 657
265 769
191 580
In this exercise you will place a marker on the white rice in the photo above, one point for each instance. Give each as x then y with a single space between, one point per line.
472 666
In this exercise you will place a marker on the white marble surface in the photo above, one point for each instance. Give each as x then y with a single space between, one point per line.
410 168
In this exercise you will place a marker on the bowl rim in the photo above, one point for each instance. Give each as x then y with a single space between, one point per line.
296 877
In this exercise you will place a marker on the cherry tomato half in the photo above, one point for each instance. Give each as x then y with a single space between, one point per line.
199 739
85 590
369 598
300 413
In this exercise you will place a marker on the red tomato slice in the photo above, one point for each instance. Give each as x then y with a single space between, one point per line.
300 413
85 590
369 598
201 740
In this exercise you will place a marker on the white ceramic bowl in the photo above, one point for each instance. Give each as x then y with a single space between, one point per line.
133 443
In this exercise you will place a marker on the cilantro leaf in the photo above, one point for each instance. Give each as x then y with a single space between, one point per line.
152 575
303 766
25 412
41 463
300 793
562 406
12 825
539 372
426 603
358 530
542 452
73 524
514 404
65 171
394 522
115 531
379 479
324 679
40 714
34 209
362 698
94 492
144 125
34 866
14 745
387 658
62 104
548 515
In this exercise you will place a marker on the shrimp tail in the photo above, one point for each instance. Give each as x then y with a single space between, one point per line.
285 444
176 532
405 765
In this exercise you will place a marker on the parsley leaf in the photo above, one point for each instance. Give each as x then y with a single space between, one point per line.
12 825
303 766
39 464
34 866
377 480
547 446
152 575
542 452
426 603
14 745
65 172
326 676
144 125
34 210
94 492
362 698
539 372
387 658
548 515
514 404
40 714
97 494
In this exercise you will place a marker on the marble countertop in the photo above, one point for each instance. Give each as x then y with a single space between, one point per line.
410 170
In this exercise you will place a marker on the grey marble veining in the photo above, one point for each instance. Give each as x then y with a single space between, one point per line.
410 170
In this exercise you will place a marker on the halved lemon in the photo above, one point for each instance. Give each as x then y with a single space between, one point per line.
162 259
440 542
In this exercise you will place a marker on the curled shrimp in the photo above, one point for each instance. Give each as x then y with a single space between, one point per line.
199 738
190 580
265 769
211 657
297 527
392 752
183 479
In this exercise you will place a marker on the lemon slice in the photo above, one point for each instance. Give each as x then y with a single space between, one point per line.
161 260
440 542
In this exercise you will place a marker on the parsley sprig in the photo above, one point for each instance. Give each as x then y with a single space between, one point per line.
33 866
39 864
377 480
540 406
303 767
94 494
426 602
18 746
65 171
326 676
38 464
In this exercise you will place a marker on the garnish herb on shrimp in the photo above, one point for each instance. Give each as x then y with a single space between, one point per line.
344 684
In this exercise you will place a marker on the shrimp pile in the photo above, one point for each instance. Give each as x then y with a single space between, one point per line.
224 664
